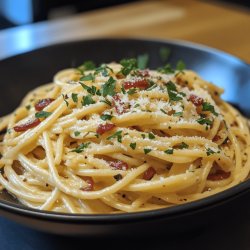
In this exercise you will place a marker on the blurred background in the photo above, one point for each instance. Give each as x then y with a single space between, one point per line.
19 12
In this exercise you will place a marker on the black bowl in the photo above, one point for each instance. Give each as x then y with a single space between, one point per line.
228 209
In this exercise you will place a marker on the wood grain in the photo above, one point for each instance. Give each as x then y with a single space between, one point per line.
218 26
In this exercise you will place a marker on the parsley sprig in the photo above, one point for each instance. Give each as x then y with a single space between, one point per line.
118 135
81 147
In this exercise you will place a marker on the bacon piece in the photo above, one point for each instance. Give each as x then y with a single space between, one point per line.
141 84
218 175
103 128
117 164
120 106
196 100
149 173
90 182
29 124
41 104
216 138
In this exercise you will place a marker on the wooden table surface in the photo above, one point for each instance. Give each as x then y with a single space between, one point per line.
216 25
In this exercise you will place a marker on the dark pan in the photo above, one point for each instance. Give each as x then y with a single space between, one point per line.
228 209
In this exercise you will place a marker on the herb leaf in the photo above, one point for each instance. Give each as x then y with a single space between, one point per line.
81 147
88 77
87 100
206 106
108 88
178 114
164 53
43 114
106 117
147 150
131 91
183 145
151 136
210 151
133 145
64 98
142 61
163 111
106 101
76 133
128 65
204 120
88 65
180 66
117 135
74 97
169 151
167 69
172 92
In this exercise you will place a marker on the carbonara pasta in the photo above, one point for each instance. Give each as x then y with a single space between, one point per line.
117 138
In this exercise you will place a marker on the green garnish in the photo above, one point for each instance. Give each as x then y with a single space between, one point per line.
106 117
169 151
167 69
74 97
43 114
151 136
106 101
163 111
87 100
137 105
108 88
131 91
123 90
76 133
206 106
147 150
81 147
103 69
180 66
88 77
28 107
142 61
133 145
183 145
172 92
64 98
128 65
88 65
91 90
210 151
178 114
143 136
117 135
204 120
164 53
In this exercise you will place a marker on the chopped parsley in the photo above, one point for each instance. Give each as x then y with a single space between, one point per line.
106 102
106 117
28 107
88 65
137 105
133 145
81 147
87 100
123 90
147 150
117 135
128 65
163 111
103 69
167 69
64 98
74 97
178 114
43 114
204 120
131 91
91 90
152 85
164 53
151 136
118 177
172 92
206 106
142 61
169 151
180 66
183 145
143 136
210 151
76 133
108 88
88 77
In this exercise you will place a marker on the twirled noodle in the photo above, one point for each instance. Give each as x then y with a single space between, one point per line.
119 139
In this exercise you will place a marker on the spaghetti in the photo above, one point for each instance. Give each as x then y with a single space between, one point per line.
119 139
